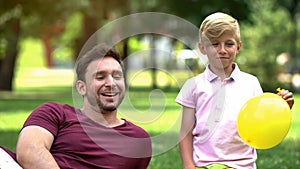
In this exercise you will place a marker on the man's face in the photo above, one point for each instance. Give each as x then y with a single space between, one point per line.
105 85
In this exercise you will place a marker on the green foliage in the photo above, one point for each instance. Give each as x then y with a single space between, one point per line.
31 55
64 44
194 11
263 40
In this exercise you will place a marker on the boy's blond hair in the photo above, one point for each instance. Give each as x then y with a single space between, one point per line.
216 24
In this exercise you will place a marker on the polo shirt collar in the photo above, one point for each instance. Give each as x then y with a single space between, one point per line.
211 76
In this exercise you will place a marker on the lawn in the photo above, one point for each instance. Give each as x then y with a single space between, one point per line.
16 106
154 110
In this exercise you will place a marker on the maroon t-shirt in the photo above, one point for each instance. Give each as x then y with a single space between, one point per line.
79 142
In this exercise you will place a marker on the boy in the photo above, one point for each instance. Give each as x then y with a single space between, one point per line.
211 101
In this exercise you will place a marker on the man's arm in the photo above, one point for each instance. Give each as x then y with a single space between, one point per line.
33 148
186 137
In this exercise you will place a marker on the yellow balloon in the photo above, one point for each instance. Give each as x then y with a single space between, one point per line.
264 121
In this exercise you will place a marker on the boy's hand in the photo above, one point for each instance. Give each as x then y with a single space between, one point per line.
287 96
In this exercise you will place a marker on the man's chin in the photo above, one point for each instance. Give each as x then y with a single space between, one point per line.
108 108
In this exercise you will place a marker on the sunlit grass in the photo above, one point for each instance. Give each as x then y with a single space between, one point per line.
15 107
35 85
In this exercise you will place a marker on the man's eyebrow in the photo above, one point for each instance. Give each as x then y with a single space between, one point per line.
104 72
99 73
118 71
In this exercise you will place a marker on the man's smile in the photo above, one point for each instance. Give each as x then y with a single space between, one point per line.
109 94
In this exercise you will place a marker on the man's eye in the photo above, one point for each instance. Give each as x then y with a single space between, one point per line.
100 77
117 76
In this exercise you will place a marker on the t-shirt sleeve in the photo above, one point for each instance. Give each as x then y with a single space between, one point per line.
47 116
185 95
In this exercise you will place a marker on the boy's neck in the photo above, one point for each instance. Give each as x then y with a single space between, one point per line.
223 73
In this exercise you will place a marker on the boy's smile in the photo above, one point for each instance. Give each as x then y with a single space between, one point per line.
221 53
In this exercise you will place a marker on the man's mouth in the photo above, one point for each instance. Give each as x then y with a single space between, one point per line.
109 94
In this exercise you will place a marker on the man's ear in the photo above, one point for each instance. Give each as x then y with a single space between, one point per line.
81 87
201 48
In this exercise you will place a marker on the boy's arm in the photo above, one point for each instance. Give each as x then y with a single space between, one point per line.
33 148
186 137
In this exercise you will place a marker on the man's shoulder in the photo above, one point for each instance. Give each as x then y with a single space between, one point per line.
55 106
54 110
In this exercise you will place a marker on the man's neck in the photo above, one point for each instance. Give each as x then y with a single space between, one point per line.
105 118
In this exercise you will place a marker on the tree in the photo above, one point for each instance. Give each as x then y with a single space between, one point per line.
293 8
10 33
193 11
263 40
95 14
22 19
43 18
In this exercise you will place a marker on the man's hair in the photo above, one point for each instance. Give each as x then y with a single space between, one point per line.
216 24
97 52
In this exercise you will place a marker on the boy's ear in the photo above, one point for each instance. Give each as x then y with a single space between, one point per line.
239 47
201 48
81 87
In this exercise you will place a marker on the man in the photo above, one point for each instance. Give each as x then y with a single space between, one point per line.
60 136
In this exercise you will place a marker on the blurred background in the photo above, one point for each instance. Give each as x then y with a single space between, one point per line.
40 41
39 37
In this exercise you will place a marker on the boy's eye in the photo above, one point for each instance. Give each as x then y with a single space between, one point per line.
229 44
215 44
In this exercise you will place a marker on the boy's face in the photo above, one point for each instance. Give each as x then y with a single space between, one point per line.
221 52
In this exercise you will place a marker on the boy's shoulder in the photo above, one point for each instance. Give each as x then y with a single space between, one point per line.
247 75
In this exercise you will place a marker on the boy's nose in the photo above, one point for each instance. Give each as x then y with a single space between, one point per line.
221 48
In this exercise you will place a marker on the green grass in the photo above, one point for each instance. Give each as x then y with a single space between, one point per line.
33 88
16 106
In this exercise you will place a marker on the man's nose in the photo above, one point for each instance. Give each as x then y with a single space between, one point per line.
109 81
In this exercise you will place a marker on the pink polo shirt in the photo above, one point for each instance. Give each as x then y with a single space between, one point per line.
217 104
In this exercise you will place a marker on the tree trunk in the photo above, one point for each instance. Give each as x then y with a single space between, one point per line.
11 52
88 29
48 51
125 61
153 59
